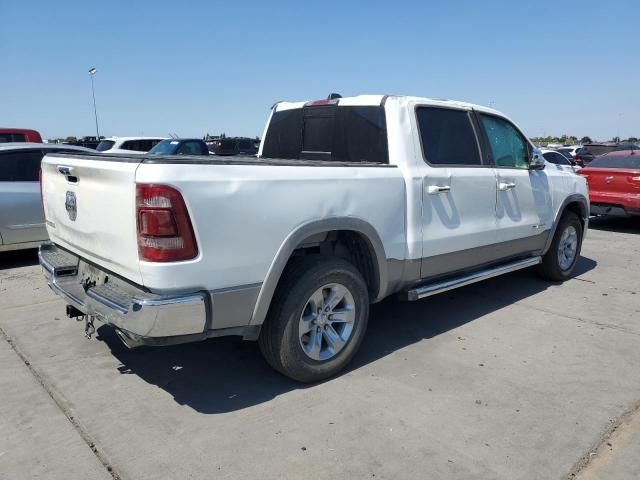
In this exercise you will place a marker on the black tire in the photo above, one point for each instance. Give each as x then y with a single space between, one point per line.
550 268
279 337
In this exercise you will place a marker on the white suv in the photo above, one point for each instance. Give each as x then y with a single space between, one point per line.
128 145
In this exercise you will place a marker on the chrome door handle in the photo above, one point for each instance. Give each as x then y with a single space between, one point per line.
506 186
436 189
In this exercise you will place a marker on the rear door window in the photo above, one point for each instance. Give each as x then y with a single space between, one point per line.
20 166
105 145
508 147
328 132
142 145
447 136
556 158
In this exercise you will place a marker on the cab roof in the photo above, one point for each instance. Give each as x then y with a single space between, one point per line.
376 100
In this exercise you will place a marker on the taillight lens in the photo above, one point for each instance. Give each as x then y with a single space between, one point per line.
165 233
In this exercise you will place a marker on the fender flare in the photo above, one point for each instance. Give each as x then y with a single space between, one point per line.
574 198
295 238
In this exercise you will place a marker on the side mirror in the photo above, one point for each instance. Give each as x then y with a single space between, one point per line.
537 161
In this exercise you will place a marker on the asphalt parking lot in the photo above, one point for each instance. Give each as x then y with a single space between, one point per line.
513 378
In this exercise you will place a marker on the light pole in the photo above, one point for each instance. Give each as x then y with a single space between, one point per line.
92 72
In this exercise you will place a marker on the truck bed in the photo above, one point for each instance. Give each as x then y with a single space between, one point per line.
242 209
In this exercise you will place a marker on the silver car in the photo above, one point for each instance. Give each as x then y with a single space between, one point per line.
21 215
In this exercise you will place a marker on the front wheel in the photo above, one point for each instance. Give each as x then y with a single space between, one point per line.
317 319
561 258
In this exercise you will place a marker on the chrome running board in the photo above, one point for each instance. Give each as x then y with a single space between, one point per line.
439 287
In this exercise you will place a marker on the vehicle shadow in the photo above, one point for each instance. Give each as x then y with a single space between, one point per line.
615 224
228 374
18 258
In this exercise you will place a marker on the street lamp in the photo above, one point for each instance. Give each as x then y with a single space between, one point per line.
92 72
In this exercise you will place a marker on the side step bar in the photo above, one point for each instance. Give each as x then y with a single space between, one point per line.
439 287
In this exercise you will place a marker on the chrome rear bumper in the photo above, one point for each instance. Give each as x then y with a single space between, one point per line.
141 316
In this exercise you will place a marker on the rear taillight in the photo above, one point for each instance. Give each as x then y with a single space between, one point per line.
165 233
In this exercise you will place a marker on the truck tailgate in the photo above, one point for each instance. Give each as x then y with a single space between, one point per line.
89 204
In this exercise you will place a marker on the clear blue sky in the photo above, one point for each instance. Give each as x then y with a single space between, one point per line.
202 66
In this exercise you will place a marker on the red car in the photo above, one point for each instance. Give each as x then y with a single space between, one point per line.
614 183
19 135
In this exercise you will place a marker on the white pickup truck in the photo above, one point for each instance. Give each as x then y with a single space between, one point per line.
350 200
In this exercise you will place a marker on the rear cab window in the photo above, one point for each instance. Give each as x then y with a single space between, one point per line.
328 132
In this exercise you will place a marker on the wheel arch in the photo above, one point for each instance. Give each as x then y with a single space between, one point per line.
576 203
311 231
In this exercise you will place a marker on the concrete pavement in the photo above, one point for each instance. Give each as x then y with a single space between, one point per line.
513 378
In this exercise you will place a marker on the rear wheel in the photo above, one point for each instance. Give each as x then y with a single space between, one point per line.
558 263
317 319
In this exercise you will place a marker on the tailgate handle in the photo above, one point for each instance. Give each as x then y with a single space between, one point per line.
67 171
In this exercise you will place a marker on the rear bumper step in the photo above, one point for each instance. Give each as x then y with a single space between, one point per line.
439 287
143 317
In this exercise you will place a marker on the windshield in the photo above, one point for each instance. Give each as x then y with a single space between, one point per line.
105 145
165 147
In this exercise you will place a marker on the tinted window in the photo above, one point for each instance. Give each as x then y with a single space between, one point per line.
333 133
12 137
165 147
508 146
617 161
189 148
596 149
20 166
228 144
447 137
139 145
566 152
105 145
556 158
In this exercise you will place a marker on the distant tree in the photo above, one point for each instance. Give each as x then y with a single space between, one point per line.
586 140
632 140
615 139
70 140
